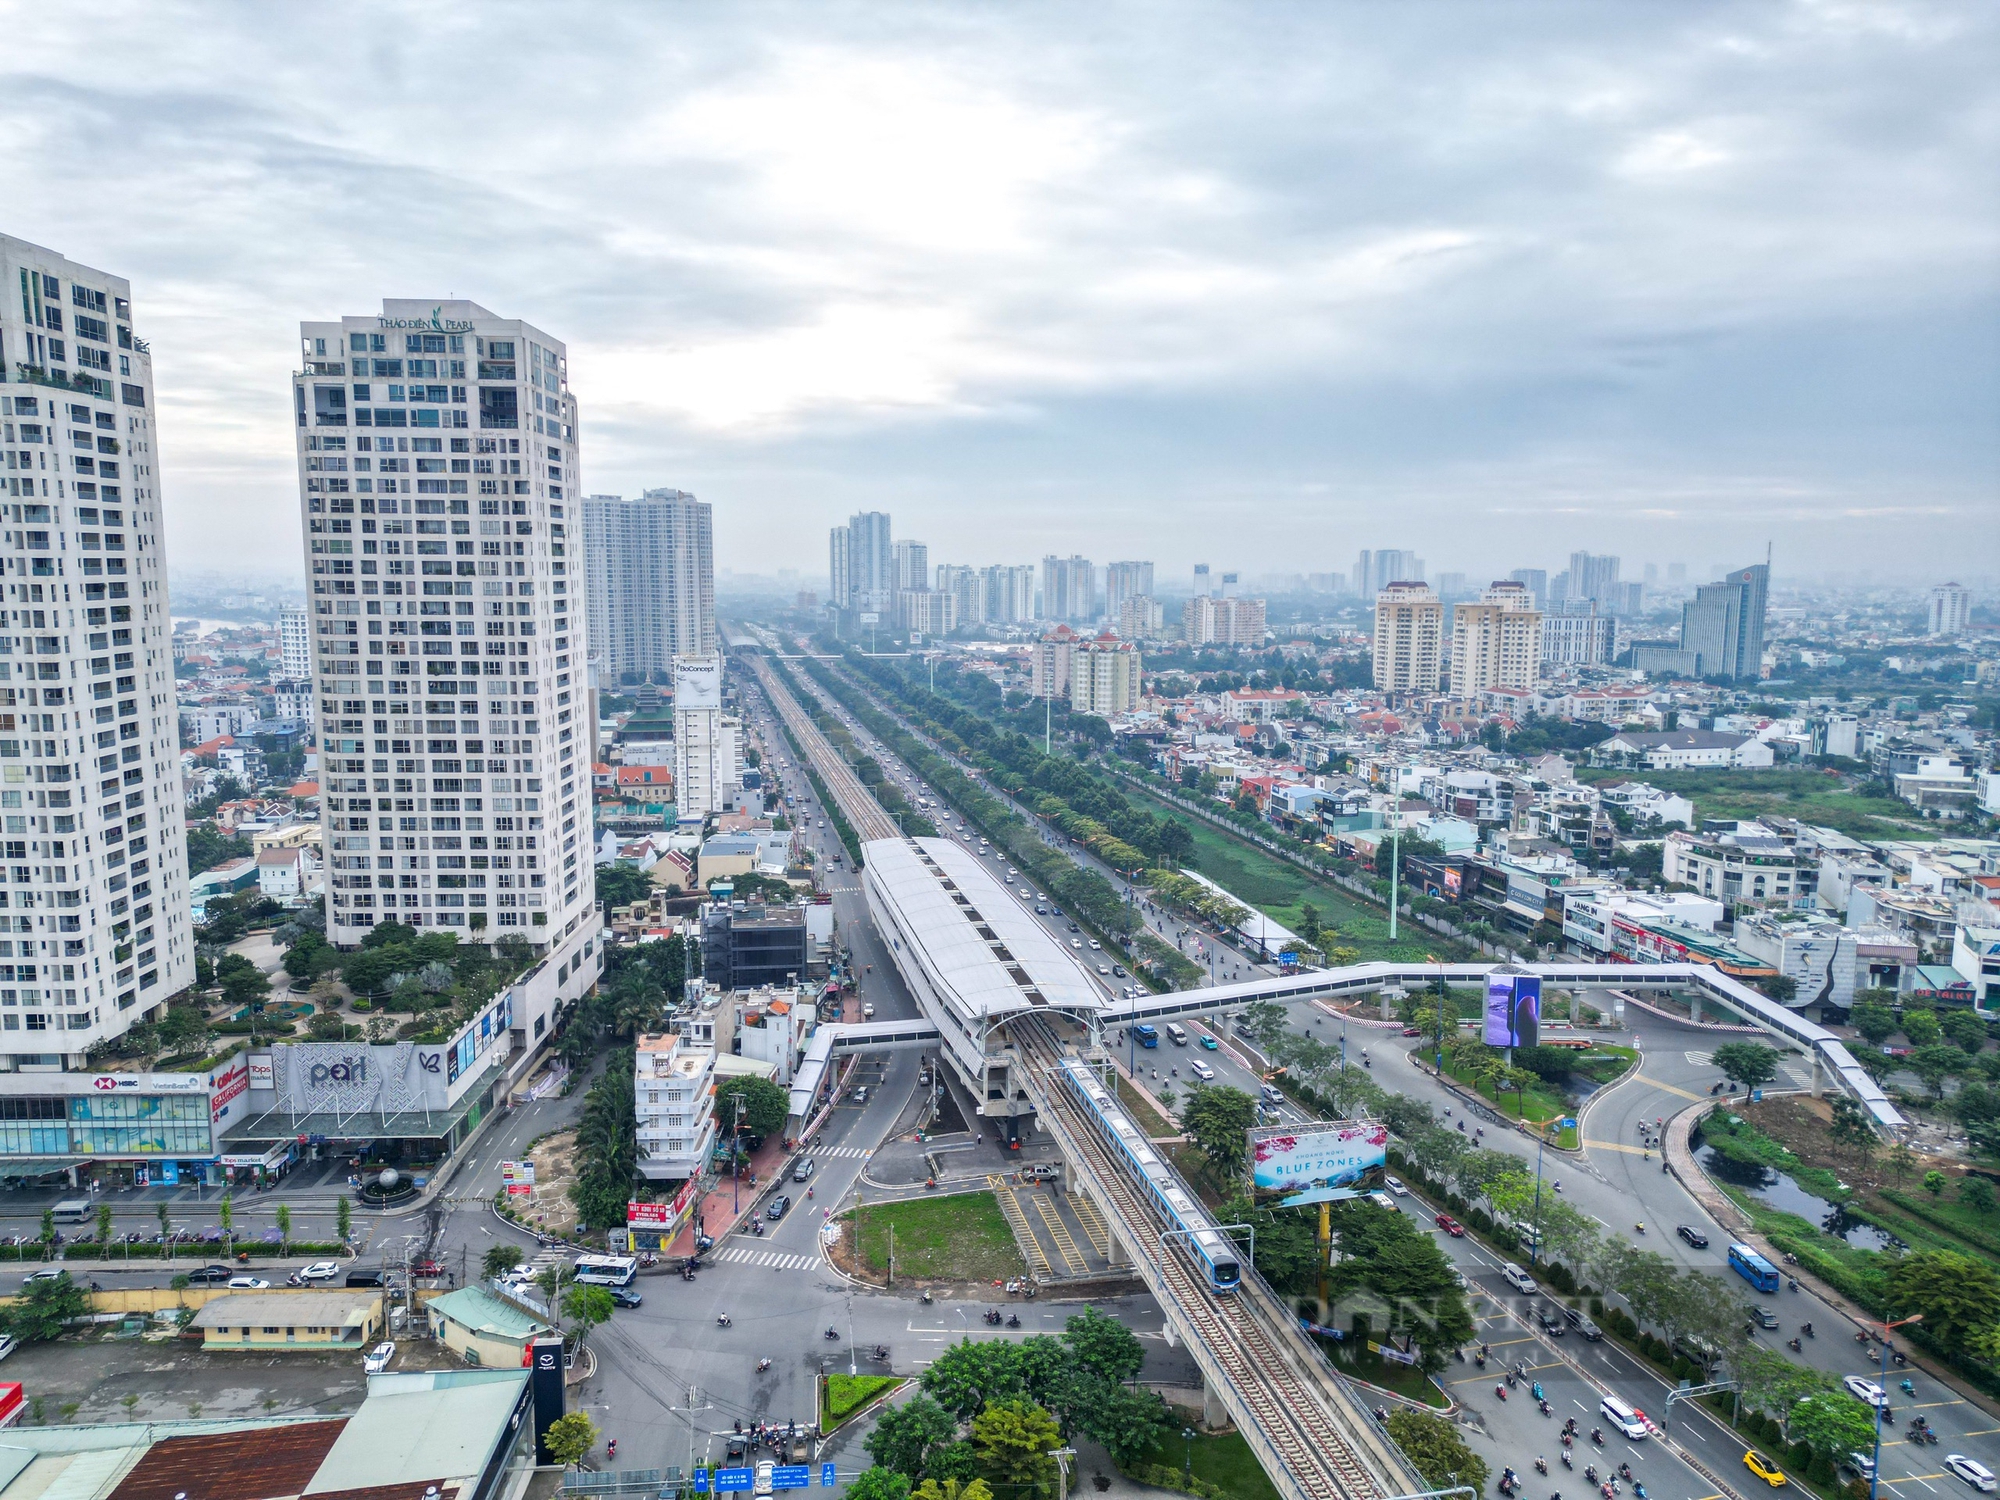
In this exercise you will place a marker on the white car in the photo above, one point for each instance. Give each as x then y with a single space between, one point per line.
766 1473
1395 1187
1971 1471
1202 1071
248 1284
867 1012
7 1345
319 1270
1518 1279
1865 1390
377 1359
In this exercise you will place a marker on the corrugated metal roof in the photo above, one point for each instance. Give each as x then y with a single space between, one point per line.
253 1464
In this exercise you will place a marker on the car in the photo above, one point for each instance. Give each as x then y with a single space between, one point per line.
766 1477
1413 1031
1041 911
1395 1186
7 1344
248 1284
319 1270
804 1169
1763 1317
1693 1236
1202 1071
1208 1043
736 1447
626 1297
426 1268
209 1276
1056 911
1010 880
1119 970
1865 1390
364 1278
1105 970
1581 1322
377 1359
47 1273
1763 1468
1518 1279
860 1095
1861 1464
1076 943
779 1206
1072 926
1971 1471
1552 1322
1040 1171
1451 1226
868 1012
1383 1200
1095 946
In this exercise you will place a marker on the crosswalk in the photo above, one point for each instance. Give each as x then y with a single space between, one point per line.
775 1259
1700 1059
841 1151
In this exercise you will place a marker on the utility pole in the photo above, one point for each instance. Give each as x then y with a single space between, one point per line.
1395 859
689 1412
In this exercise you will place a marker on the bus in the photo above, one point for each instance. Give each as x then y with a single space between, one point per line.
1753 1268
606 1270
1147 1034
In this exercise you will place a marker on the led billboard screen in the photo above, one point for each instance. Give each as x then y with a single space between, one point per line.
1513 1010
1294 1164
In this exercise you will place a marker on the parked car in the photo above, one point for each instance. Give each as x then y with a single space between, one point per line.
377 1359
778 1207
868 1012
248 1284
1971 1471
1763 1468
1693 1236
626 1297
1040 1171
1451 1226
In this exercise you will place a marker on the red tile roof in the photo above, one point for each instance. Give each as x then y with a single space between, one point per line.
257 1464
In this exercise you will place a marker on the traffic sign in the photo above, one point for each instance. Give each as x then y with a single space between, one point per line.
701 1481
791 1476
826 1476
733 1479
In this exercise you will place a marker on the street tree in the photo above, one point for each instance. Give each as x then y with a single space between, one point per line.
1850 1129
1832 1426
1934 1064
879 1483
1751 1064
968 1375
585 1307
1436 1451
104 1224
764 1104
1266 1023
1103 1346
952 1489
343 1217
1013 1439
499 1260
1876 1023
1128 1422
42 1309
1956 1294
1772 1382
906 1435
1219 1120
283 1218
570 1438
1922 1027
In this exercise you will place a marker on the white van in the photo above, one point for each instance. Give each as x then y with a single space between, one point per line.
1624 1418
1176 1033
1518 1279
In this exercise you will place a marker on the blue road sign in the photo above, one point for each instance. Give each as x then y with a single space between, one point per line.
826 1476
1569 1123
734 1479
701 1481
1756 1096
791 1476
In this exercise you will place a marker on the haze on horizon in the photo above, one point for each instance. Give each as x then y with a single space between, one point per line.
1253 286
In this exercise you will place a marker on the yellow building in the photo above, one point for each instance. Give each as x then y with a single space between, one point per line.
265 1321
1496 643
1409 639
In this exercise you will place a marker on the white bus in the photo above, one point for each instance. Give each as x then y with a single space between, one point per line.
606 1270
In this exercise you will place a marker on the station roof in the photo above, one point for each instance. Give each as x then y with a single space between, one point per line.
976 940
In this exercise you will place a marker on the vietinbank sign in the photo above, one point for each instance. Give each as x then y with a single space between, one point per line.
434 323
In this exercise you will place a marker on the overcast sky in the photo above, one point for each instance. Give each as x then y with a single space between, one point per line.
1257 285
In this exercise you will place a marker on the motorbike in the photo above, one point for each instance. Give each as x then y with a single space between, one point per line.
1541 1464
1568 1438
722 1320
1861 1337
763 1365
1791 1259
1547 1410
1794 1345
1639 1490
1590 1473
1597 1436
611 1448
1792 1283
1500 1391
1459 1354
1806 1329
757 1227
1510 1379
1625 1471
1899 1357
1640 1227
832 1334
927 1294
881 1351
1568 1462
1536 1390
1480 1359
993 1315
1909 1388
1014 1321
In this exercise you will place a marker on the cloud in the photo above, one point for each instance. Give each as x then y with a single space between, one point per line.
1175 279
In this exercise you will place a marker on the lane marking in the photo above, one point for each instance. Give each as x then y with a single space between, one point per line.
1618 1146
1668 1088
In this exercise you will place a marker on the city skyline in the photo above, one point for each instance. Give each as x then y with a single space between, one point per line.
1012 285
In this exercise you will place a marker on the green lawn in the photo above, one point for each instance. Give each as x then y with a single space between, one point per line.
963 1237
1143 1114
1221 1459
1535 1106
841 1396
1279 889
1813 796
1405 1380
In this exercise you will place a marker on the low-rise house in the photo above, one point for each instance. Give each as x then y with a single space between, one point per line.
1682 750
672 1098
1740 864
288 874
483 1327
264 1322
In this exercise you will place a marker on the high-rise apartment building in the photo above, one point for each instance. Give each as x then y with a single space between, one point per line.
967 587
871 560
1010 593
1050 663
1104 677
1537 581
928 612
295 643
1592 577
910 567
649 566
1125 580
1069 589
1722 631
1409 638
1951 609
839 568
708 743
1576 634
1375 571
438 463
1141 618
1452 586
1496 643
1208 620
97 872
1203 584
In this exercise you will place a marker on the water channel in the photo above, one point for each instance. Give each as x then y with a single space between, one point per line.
1775 1189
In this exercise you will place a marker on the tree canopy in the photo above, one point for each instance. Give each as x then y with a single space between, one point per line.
765 1105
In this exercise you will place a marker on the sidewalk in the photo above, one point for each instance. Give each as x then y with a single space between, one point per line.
730 1202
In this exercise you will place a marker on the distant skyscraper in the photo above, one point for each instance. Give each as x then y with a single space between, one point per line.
967 587
1652 573
1677 572
1140 618
1575 634
1202 583
650 568
1104 677
1375 571
871 562
1069 589
1592 577
1409 638
840 568
103 922
295 655
1537 580
1211 621
1497 643
1452 586
911 565
1010 593
1229 585
1125 580
1722 630
1951 609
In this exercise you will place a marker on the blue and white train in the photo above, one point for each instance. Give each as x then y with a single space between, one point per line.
1205 1244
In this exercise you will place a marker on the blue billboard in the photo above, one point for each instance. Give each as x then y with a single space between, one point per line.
1513 1010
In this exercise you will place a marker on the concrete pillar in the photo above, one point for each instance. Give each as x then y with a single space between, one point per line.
1694 1006
1818 1074
1213 1413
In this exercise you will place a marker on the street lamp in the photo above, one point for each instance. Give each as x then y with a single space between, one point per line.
1875 1468
1187 1455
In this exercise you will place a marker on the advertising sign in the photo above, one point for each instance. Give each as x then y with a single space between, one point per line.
697 682
1290 1165
260 1070
660 1214
1454 882
518 1177
230 1084
1513 1010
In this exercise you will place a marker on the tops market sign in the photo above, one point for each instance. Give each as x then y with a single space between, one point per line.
433 323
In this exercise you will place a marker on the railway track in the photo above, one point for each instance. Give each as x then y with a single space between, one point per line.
857 803
1286 1411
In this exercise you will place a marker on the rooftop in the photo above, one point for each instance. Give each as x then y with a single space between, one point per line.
289 1309
485 1312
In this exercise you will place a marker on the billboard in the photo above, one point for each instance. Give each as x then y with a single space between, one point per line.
1513 1010
1291 1165
697 682
518 1177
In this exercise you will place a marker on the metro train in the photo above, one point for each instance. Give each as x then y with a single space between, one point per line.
1207 1246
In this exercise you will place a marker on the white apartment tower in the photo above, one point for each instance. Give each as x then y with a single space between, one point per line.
1951 609
649 566
93 894
1409 638
437 447
1125 580
1104 677
708 744
294 643
1497 643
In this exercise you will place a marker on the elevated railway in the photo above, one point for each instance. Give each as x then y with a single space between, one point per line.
857 804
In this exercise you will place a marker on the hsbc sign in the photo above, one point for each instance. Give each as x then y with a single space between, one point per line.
106 1082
